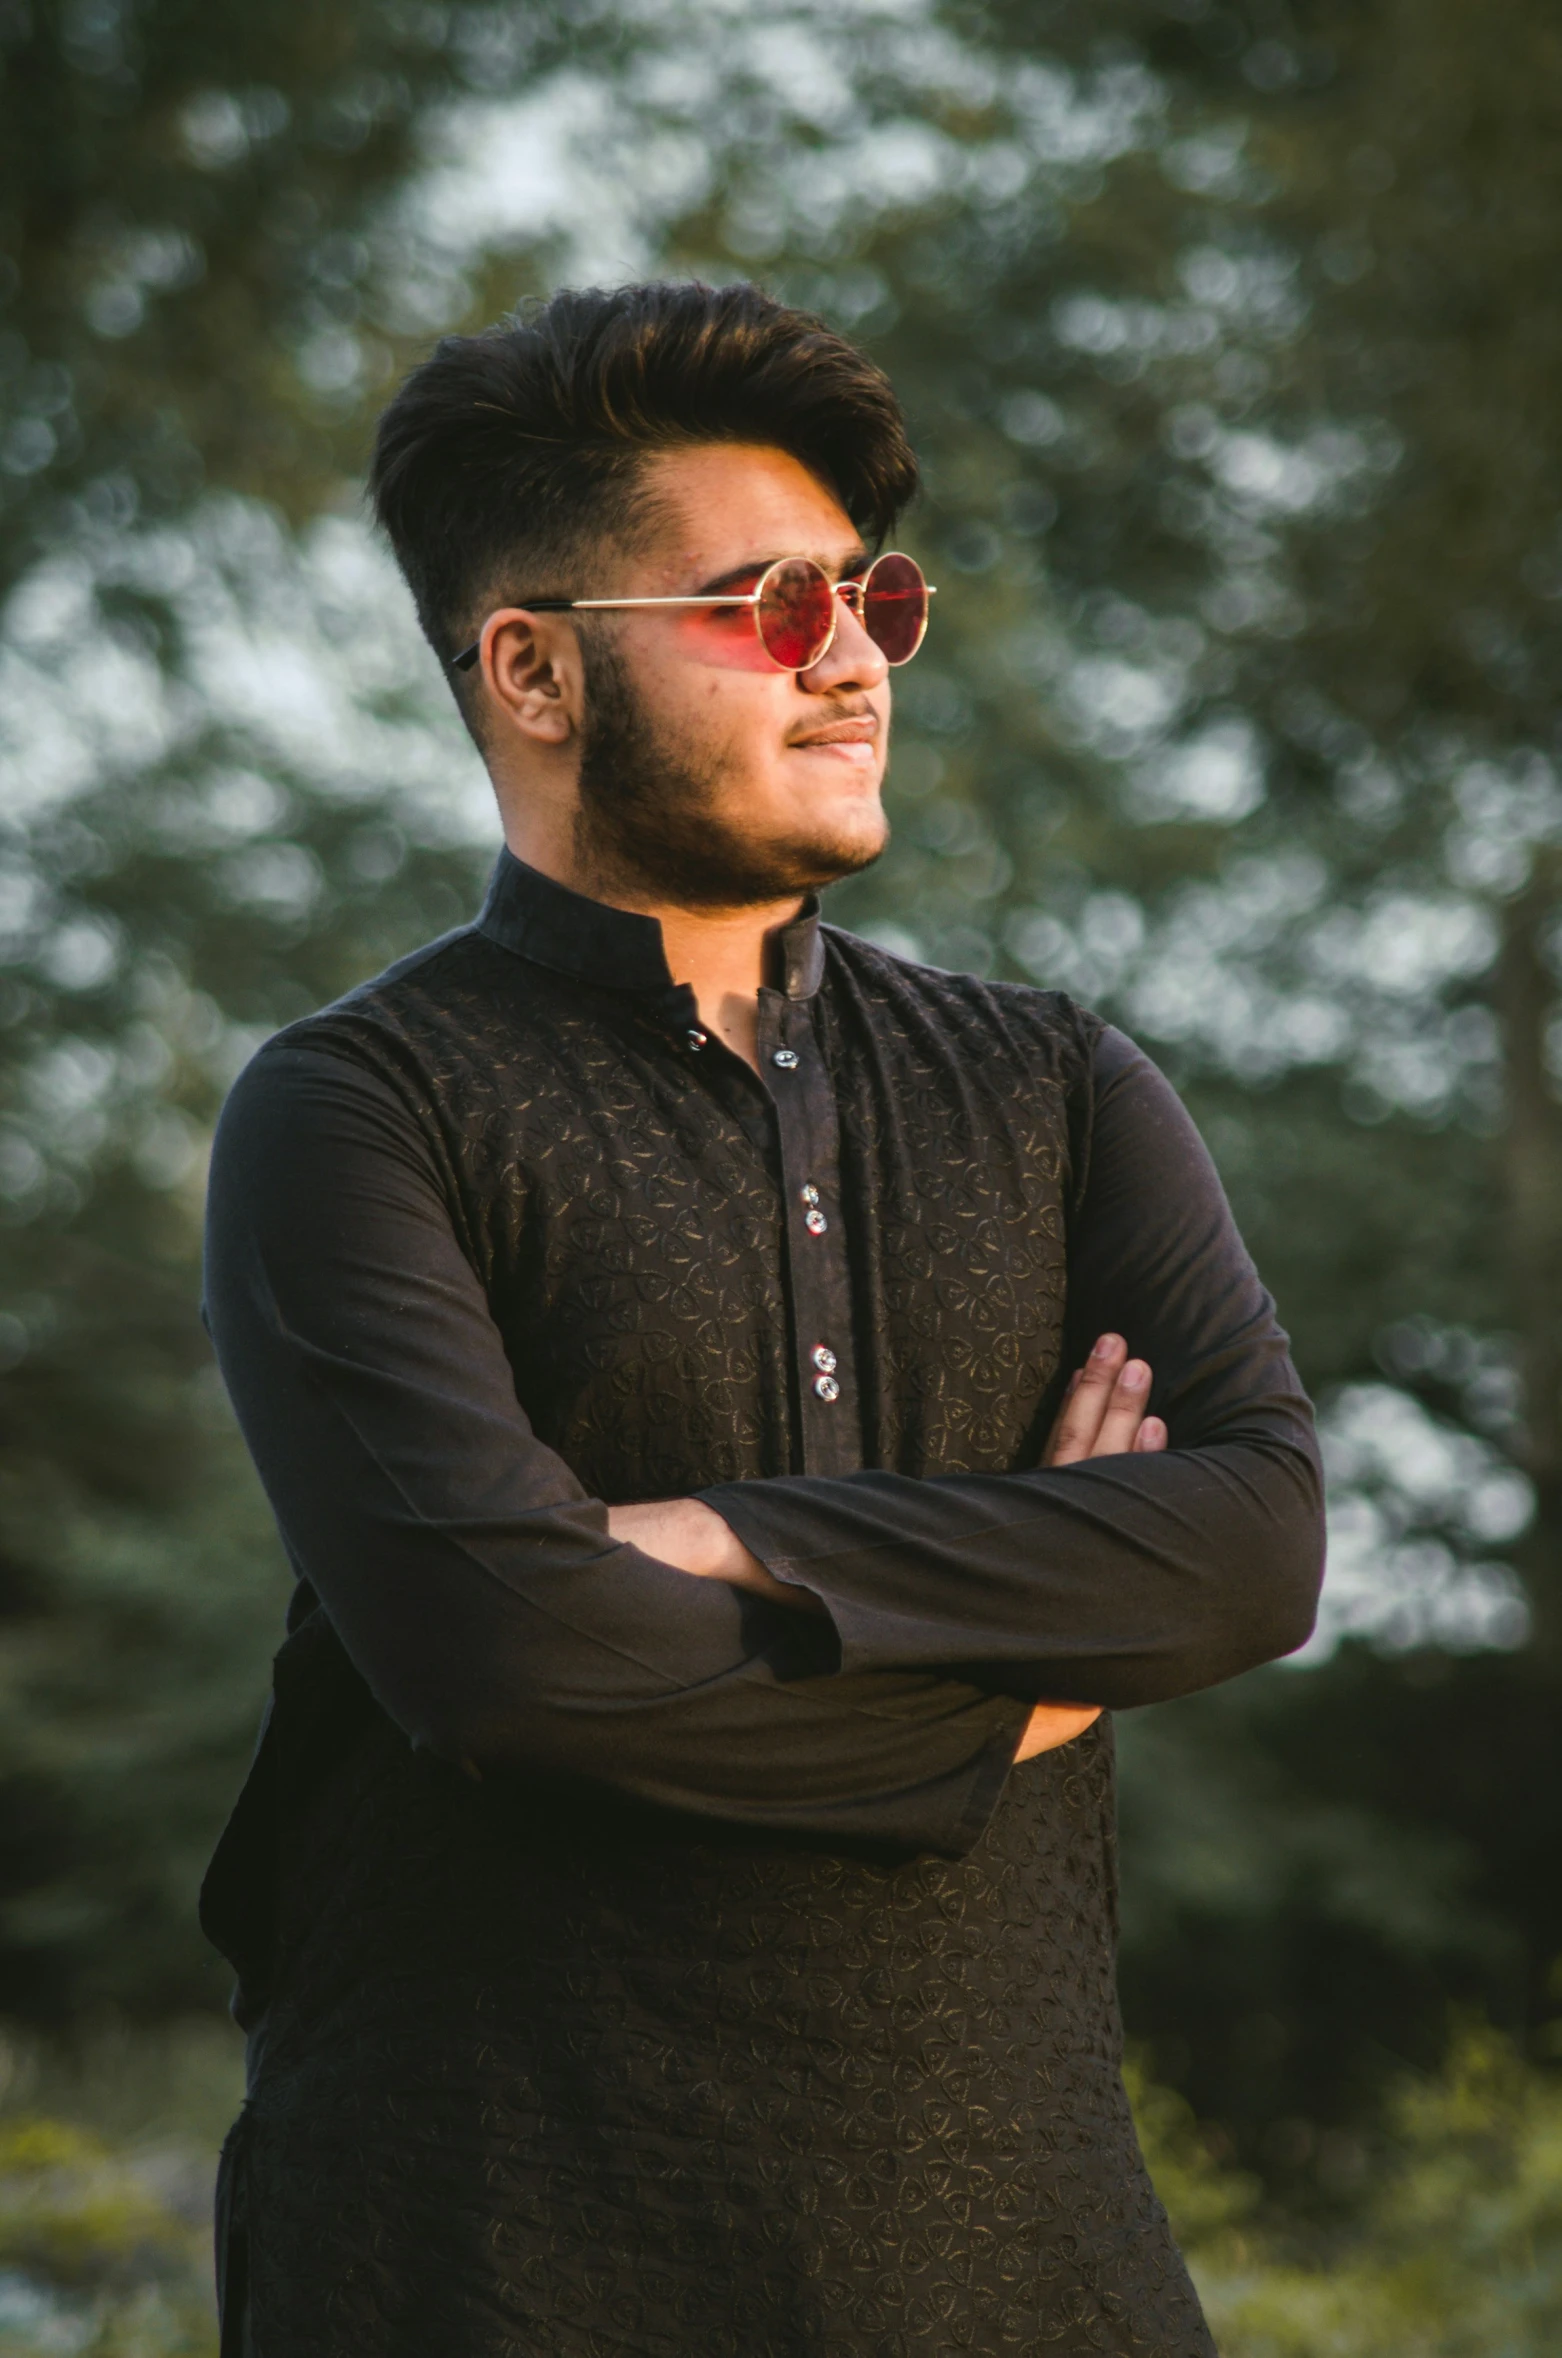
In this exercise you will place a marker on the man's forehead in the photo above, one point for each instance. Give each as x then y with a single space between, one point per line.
722 505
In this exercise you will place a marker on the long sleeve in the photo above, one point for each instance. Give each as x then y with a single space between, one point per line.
1122 1580
468 1575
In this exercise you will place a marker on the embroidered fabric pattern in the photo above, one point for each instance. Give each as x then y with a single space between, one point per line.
649 2096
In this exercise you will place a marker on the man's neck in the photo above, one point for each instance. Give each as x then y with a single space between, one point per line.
724 955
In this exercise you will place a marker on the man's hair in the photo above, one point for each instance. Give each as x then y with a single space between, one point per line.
507 456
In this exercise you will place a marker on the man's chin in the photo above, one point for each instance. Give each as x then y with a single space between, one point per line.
695 866
821 842
809 863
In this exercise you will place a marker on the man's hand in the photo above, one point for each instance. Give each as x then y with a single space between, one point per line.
692 1537
1103 1409
1102 1416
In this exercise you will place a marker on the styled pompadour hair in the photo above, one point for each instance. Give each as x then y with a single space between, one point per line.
506 456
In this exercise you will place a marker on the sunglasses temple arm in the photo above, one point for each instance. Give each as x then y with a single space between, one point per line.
601 605
468 655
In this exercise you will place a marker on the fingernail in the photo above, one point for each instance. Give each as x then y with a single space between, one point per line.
1135 1376
1106 1346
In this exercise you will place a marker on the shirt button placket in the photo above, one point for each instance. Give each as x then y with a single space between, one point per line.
806 1125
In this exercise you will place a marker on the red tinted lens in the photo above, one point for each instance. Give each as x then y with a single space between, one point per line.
796 613
894 607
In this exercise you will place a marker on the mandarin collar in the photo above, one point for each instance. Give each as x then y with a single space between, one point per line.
529 913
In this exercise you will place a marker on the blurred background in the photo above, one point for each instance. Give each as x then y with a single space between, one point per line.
1230 332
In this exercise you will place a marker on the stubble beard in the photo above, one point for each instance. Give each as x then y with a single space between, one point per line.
652 822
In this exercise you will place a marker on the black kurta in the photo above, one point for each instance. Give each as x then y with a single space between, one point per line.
636 1967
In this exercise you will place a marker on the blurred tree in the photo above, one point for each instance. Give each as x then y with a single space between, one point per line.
1227 340
1405 688
187 202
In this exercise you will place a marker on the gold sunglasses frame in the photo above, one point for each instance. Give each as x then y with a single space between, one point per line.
846 590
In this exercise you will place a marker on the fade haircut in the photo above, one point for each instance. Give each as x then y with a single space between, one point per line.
507 457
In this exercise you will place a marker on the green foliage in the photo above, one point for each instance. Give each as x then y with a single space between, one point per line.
1227 335
70 2208
1456 2251
107 2150
185 206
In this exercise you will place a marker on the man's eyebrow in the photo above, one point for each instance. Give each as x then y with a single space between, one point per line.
851 565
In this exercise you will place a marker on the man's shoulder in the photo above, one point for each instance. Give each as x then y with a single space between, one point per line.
412 1029
445 988
1023 1015
438 978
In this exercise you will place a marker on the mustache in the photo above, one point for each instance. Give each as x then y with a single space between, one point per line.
831 713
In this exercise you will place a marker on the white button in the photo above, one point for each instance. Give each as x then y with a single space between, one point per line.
697 1038
786 1058
815 1223
823 1357
827 1388
810 1193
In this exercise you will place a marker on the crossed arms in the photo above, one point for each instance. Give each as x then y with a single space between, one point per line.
502 1617
1104 1414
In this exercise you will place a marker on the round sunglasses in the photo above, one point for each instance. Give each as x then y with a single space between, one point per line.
794 608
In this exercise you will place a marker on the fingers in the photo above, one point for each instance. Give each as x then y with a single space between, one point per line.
1151 1436
1124 1412
1103 1409
1084 1404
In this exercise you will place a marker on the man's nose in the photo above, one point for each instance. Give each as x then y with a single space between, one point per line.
850 661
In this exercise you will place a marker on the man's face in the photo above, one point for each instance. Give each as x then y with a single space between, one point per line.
707 774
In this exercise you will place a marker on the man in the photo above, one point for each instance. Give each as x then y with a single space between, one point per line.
673 1901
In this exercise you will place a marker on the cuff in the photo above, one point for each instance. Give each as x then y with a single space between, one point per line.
871 1632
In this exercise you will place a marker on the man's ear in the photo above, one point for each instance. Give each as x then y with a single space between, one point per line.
531 669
